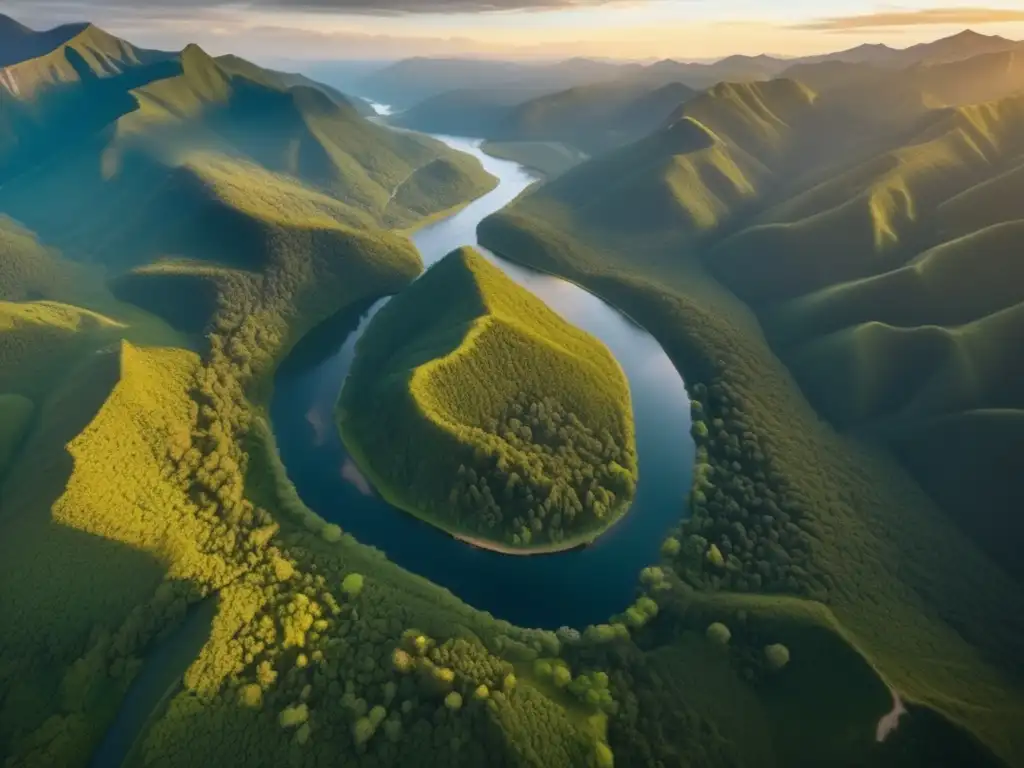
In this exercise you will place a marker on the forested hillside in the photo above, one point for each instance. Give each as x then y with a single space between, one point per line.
137 474
493 419
837 278
884 283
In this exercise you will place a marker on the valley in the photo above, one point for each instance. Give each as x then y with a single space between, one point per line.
345 422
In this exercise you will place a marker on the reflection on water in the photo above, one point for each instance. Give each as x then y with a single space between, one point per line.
352 474
891 721
574 588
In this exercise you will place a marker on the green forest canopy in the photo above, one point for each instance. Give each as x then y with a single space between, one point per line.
494 417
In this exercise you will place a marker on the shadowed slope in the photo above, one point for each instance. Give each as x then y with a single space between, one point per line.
157 181
594 117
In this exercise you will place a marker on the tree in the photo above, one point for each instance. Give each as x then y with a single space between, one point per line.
777 656
718 633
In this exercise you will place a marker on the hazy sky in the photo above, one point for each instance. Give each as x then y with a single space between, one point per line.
681 29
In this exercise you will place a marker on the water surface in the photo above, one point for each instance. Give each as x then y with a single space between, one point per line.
574 588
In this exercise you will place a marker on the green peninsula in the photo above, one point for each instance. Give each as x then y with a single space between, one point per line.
479 410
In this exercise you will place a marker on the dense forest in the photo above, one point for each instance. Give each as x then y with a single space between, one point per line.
841 587
493 418
850 382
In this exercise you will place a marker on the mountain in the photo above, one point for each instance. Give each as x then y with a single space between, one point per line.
593 117
956 48
962 45
206 112
411 81
868 53
453 387
169 228
84 53
235 65
18 42
701 75
843 290
709 159
467 111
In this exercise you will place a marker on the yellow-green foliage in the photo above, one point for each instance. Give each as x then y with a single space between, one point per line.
862 221
683 178
101 54
756 117
27 269
15 417
479 409
39 341
154 182
150 501
937 619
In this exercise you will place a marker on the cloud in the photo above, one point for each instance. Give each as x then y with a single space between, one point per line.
86 8
957 17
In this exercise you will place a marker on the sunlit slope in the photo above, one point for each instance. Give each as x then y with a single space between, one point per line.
682 178
88 54
475 405
894 293
136 409
39 340
951 284
759 118
917 333
967 81
28 270
878 214
712 160
83 545
18 42
123 175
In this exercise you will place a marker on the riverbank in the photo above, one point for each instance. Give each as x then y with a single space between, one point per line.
548 158
877 545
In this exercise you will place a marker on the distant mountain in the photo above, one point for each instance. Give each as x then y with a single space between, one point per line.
704 75
956 48
18 42
84 53
412 81
466 111
868 53
877 89
709 160
193 126
594 118
236 65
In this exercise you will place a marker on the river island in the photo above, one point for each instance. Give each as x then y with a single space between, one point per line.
473 406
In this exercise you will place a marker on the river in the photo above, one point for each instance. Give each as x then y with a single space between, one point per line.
574 588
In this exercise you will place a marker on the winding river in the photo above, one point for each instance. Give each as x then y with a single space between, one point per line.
574 588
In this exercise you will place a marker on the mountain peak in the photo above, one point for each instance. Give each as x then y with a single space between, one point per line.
9 26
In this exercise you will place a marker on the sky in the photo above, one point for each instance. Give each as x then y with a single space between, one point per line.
688 30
